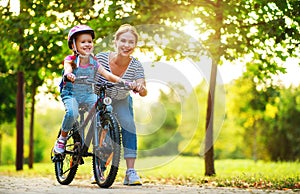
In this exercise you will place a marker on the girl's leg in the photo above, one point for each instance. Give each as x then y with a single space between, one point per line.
71 107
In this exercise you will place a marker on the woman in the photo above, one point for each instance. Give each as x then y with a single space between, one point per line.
122 64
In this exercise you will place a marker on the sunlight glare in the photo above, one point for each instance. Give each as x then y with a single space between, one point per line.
190 29
14 5
3 3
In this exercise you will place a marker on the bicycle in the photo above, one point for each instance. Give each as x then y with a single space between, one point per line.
104 130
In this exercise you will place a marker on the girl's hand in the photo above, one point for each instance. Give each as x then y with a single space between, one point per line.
70 76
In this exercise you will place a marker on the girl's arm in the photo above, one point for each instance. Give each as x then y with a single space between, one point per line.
108 75
68 70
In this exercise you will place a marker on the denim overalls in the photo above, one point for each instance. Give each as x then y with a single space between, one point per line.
75 94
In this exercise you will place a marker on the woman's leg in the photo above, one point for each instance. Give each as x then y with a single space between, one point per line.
124 113
124 110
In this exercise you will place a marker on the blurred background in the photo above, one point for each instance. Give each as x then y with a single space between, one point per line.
243 54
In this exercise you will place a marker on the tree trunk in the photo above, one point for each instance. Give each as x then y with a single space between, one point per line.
216 51
209 148
20 121
31 130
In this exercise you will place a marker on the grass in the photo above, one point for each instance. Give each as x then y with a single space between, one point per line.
190 171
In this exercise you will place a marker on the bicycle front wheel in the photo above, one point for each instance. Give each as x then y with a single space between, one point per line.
106 156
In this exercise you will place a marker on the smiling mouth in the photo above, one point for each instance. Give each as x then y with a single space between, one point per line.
88 50
126 51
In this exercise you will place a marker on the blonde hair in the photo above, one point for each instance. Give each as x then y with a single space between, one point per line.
126 28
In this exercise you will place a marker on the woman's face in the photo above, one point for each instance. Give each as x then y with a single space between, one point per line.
84 44
125 44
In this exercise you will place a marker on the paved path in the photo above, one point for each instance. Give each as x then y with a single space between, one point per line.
41 185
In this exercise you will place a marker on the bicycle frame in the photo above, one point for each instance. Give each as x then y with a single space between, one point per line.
95 112
104 131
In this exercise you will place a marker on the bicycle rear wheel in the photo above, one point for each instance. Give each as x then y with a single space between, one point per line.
66 164
106 157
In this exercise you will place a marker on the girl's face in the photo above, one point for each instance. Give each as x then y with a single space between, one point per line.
125 44
84 44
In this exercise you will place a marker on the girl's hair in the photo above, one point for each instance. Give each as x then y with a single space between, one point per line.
126 28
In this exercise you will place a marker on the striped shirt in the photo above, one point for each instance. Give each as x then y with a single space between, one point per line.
133 72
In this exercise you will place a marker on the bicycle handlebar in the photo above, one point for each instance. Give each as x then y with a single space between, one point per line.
85 80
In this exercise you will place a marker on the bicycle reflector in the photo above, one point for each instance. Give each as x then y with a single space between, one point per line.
107 101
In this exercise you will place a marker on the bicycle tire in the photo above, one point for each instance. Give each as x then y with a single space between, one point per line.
64 165
106 156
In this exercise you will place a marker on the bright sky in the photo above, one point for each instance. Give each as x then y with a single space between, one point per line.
229 72
14 5
293 71
190 74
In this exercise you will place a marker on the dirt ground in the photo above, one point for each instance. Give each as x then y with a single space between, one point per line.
45 185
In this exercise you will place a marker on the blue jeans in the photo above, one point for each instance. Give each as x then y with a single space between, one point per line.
124 113
72 100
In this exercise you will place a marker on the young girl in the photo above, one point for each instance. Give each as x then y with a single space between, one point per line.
80 64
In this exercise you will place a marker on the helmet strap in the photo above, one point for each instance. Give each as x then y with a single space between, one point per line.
76 52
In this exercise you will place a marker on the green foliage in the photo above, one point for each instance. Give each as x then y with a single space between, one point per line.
41 145
48 126
193 117
7 98
7 153
230 141
163 140
46 129
285 132
267 119
7 139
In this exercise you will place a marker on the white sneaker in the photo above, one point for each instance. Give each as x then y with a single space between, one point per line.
59 146
132 178
93 180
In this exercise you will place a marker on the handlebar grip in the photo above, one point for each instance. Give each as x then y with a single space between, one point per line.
66 79
127 85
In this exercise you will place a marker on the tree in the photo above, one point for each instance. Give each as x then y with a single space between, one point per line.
36 36
267 31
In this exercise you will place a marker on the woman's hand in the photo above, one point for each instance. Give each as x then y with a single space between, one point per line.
132 85
140 88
